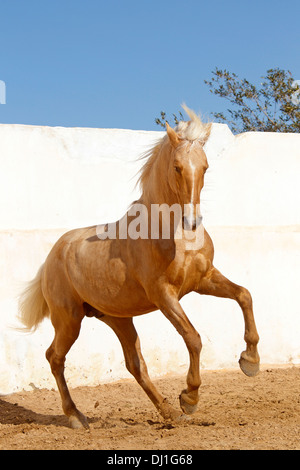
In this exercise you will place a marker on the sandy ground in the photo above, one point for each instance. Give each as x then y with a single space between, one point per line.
234 412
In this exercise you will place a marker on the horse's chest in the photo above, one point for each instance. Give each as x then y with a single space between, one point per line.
187 270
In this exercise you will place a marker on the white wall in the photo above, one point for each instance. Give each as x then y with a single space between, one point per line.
54 179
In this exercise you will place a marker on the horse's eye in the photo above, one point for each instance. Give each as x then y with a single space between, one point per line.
177 169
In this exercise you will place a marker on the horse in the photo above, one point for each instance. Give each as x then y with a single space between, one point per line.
114 279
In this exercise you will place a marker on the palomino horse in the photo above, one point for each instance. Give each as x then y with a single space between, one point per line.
117 278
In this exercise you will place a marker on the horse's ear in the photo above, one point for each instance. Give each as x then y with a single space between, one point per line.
174 138
207 132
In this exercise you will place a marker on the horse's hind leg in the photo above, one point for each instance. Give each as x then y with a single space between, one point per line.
67 328
126 332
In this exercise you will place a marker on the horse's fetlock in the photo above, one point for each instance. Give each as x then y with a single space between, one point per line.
251 338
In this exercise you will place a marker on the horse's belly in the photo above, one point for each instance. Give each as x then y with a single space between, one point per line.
109 288
128 301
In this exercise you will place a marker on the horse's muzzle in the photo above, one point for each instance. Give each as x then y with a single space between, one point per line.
191 224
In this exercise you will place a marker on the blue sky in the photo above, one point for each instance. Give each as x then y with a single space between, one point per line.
117 64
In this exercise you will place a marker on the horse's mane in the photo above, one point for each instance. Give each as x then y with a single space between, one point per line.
188 131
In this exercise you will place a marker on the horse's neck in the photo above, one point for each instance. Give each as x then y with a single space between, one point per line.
158 193
162 222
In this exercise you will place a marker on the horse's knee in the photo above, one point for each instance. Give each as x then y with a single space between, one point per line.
244 298
194 343
198 343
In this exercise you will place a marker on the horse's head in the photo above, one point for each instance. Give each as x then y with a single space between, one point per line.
188 164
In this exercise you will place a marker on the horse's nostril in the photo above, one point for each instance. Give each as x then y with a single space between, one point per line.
187 225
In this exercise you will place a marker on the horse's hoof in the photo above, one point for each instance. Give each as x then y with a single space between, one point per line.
78 422
168 412
187 408
249 368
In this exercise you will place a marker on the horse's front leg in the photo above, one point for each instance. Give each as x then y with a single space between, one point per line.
171 308
214 283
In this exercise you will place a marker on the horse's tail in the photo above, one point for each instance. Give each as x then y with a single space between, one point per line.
32 304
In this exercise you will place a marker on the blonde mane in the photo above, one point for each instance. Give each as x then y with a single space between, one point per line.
187 131
194 129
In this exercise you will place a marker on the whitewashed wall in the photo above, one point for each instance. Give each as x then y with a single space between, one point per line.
55 179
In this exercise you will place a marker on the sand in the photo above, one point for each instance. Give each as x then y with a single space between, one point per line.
234 412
